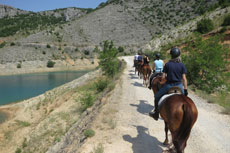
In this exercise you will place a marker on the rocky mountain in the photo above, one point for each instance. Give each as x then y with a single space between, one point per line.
69 14
128 23
8 11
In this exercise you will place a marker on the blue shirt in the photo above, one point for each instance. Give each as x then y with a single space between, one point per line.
139 58
158 65
174 71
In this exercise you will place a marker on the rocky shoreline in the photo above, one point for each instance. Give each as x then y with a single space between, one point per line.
41 66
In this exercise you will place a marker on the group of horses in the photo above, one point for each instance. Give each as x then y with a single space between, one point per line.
178 111
143 70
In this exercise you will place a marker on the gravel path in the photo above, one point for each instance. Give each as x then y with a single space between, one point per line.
133 131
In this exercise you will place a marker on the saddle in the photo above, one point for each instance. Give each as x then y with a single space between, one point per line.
172 91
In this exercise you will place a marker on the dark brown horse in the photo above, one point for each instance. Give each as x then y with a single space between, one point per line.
138 68
146 70
179 114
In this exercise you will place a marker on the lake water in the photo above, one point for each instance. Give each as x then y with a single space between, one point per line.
20 87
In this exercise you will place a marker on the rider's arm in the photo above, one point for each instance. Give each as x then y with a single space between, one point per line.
184 81
153 67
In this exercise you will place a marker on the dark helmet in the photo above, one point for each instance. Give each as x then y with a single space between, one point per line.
175 52
158 55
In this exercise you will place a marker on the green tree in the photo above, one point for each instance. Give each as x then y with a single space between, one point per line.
226 21
205 26
206 62
108 60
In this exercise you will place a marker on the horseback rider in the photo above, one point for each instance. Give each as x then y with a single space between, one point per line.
139 58
146 59
157 68
175 73
135 60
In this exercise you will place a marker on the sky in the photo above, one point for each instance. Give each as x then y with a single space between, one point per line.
42 5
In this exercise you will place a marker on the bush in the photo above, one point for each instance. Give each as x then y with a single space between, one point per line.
19 65
87 101
2 44
121 49
101 85
18 150
89 133
205 26
86 52
12 44
226 21
108 60
50 64
206 62
48 46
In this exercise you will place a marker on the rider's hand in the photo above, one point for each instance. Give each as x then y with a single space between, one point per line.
185 92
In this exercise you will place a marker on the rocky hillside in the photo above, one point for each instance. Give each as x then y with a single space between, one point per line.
7 11
129 23
69 14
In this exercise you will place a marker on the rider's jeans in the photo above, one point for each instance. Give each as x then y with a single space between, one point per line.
165 90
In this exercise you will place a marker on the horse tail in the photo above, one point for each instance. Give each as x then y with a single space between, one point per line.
184 130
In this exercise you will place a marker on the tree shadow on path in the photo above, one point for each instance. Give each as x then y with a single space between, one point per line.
144 143
143 107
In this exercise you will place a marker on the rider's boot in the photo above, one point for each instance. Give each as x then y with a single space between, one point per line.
150 83
155 114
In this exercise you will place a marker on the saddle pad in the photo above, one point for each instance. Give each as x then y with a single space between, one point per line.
163 98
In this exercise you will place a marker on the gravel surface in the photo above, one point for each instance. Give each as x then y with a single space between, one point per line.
135 132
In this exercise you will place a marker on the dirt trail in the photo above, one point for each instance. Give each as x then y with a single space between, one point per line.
123 126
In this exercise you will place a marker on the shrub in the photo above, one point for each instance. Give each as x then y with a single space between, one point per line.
205 26
89 133
87 101
50 64
206 63
86 52
43 52
101 85
19 65
18 150
108 60
226 21
121 49
48 46
2 44
12 44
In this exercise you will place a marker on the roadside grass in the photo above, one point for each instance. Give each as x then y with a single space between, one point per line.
22 123
220 98
98 149
89 133
110 122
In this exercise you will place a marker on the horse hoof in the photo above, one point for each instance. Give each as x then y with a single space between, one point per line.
166 143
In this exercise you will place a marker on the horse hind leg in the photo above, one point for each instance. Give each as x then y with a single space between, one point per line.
166 142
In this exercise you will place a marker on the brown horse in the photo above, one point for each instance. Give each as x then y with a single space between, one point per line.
146 70
179 114
139 69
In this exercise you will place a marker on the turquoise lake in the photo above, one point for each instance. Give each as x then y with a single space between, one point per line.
20 87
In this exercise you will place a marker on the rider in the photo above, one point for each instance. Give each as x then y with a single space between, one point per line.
175 73
135 60
157 68
139 59
146 60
